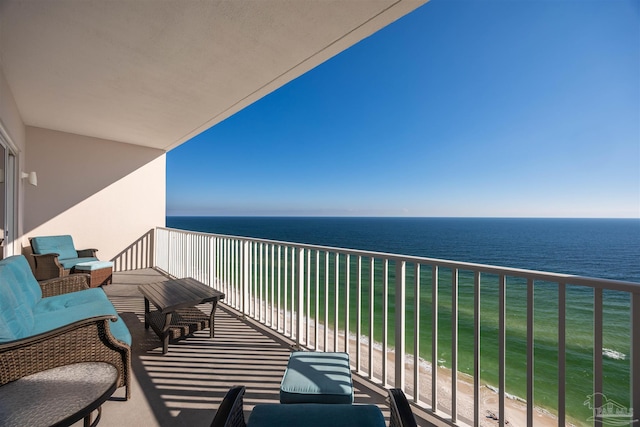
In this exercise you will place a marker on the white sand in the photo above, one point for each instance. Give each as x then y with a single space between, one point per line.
515 409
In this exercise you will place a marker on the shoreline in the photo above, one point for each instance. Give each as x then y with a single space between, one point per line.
515 407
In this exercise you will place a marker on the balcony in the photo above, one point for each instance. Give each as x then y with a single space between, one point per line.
185 386
486 326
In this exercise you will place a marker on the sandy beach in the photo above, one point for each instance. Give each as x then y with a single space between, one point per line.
515 409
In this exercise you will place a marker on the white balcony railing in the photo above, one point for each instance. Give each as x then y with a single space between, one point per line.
335 299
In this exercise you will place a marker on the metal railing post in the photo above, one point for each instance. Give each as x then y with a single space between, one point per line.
212 262
347 285
154 253
245 278
454 345
300 300
401 267
635 356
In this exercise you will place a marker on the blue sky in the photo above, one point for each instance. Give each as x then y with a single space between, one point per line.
462 108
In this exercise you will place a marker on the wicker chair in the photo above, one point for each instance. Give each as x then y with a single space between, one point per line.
401 414
88 340
230 413
48 264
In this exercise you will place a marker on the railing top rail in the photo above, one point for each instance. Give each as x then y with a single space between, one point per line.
568 279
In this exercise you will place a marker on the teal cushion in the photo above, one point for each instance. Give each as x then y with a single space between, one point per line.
16 269
71 299
317 377
93 265
312 415
9 328
6 329
69 263
23 311
16 317
48 320
120 331
19 294
61 245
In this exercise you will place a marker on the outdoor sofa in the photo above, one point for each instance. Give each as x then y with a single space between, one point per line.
55 323
56 256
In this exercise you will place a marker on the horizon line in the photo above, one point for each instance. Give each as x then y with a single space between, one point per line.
389 216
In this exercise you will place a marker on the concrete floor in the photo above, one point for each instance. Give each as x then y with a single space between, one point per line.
185 386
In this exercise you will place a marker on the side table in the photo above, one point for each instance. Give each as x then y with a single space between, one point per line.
59 396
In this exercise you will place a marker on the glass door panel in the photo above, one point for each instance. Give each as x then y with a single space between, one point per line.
3 197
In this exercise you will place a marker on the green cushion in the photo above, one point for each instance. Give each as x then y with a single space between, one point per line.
61 245
312 415
317 377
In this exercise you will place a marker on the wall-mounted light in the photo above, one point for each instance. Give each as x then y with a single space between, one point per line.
32 177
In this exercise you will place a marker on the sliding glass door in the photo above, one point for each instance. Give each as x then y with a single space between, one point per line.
7 199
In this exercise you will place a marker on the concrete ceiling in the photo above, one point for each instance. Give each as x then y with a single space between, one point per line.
156 73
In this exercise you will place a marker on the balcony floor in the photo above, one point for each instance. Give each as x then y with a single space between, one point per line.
185 386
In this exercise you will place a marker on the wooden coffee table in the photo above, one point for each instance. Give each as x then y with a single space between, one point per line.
176 315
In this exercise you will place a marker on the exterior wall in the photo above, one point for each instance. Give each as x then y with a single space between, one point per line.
108 195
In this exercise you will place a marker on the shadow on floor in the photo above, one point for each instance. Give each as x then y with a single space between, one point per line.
185 386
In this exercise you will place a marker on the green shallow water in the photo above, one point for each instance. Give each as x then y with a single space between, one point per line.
579 335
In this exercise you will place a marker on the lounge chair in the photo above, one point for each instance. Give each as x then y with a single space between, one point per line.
231 411
57 322
401 414
56 256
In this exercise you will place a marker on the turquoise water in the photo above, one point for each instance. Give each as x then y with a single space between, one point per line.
597 248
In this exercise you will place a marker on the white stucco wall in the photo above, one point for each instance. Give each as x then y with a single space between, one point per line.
9 115
108 195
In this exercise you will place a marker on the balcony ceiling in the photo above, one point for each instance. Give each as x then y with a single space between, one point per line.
156 73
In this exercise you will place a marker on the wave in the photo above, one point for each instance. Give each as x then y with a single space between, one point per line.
612 354
507 395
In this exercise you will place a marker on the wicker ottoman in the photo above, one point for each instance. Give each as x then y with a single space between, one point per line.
317 377
101 272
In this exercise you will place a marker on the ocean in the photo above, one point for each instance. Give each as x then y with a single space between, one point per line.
602 248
